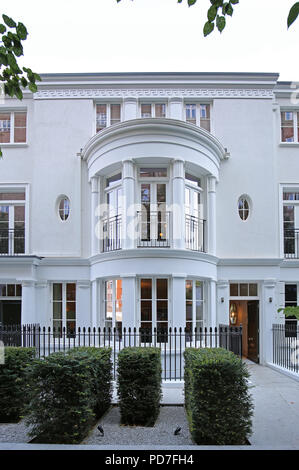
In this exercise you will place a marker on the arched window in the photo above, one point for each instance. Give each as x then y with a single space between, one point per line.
243 207
64 207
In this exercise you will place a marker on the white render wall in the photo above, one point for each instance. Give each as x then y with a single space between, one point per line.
246 123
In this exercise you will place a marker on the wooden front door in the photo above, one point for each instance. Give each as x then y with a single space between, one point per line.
253 330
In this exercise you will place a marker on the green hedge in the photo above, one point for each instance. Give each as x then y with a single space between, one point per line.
69 391
14 389
139 385
217 400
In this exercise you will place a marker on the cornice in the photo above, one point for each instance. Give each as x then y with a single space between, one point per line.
150 92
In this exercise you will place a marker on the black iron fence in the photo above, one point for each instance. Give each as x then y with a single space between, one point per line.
285 345
195 233
153 229
112 234
172 342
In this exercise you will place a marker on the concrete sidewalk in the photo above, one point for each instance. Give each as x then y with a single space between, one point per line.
276 413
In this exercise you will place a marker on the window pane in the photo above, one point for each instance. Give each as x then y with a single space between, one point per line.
160 110
153 172
146 110
189 294
57 291
244 290
199 311
57 310
3 290
253 290
7 196
146 289
145 193
161 193
162 292
234 290
198 287
113 179
115 113
18 290
291 293
101 116
4 128
146 310
20 127
191 113
205 116
189 310
71 292
19 213
11 290
108 311
162 310
71 310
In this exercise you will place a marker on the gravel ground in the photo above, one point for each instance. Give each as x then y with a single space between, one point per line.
162 433
14 432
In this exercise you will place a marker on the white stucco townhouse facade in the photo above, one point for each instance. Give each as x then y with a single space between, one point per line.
151 200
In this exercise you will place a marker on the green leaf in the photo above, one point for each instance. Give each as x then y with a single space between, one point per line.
32 87
220 23
228 10
191 2
1 154
293 14
22 31
234 2
9 21
179 1
208 28
24 82
212 12
2 28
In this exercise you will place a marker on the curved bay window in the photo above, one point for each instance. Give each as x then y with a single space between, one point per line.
112 222
154 308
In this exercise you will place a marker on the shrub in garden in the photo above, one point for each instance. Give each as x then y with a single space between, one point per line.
66 394
14 387
217 400
139 385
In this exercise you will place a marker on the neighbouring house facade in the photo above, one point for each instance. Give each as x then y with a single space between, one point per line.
151 200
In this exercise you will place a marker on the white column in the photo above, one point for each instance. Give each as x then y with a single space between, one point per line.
42 304
212 306
211 222
83 307
178 200
222 302
178 301
176 108
267 315
94 215
130 108
128 207
129 301
28 312
94 304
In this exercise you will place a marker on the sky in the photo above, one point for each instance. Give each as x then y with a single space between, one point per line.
155 36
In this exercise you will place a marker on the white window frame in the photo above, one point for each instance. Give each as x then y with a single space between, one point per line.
194 300
153 300
198 112
18 187
114 300
64 302
244 297
284 188
153 108
12 126
108 115
295 112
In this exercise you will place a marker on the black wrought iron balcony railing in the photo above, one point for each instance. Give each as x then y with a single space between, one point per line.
12 242
291 243
195 233
112 233
153 229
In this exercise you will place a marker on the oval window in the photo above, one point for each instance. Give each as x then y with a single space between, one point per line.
243 207
64 207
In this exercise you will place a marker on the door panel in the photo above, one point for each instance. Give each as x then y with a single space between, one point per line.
253 330
11 312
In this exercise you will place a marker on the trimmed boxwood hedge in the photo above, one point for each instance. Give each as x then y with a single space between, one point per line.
217 399
69 391
14 386
139 385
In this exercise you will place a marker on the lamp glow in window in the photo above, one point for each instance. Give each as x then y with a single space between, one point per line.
243 207
64 208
